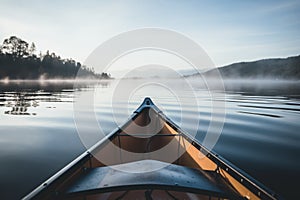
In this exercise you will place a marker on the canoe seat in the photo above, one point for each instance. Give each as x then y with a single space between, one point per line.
171 177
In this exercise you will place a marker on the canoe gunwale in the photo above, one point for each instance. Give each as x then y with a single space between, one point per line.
72 166
243 178
252 184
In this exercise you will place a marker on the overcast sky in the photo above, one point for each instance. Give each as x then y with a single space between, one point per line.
229 31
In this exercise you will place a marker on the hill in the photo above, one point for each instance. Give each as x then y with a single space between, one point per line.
19 61
277 68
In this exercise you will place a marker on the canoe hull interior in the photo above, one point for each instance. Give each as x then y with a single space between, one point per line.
159 140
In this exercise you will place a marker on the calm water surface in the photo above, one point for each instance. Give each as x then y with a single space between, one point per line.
38 135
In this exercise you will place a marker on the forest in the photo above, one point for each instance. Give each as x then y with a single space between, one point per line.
18 60
272 69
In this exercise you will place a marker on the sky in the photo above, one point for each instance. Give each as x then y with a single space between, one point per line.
229 31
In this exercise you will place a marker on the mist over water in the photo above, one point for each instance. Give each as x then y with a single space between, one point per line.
260 135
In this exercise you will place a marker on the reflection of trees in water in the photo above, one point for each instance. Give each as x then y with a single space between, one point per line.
19 105
257 87
22 97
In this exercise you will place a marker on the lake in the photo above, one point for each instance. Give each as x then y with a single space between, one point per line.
38 134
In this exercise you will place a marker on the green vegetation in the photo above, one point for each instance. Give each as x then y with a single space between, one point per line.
279 68
19 61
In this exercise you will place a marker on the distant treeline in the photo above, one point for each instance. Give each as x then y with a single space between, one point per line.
277 68
19 61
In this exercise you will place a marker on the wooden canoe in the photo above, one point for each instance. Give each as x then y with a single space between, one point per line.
196 172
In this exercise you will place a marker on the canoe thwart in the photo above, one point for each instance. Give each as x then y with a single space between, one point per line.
171 177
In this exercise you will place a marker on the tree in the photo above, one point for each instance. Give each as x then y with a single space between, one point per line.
19 61
32 49
15 46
